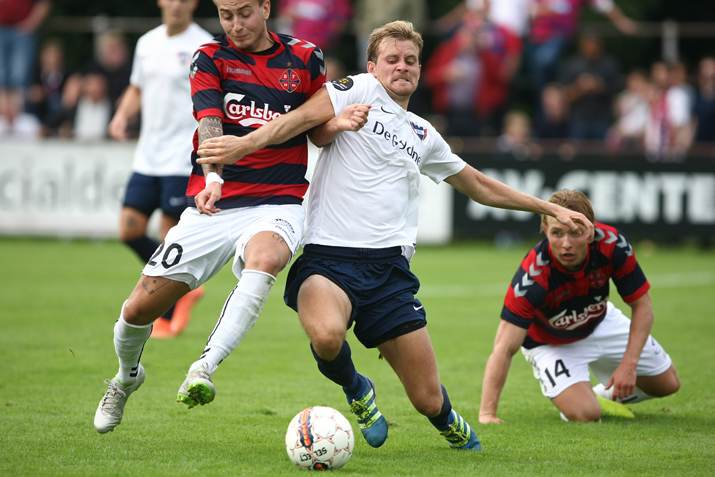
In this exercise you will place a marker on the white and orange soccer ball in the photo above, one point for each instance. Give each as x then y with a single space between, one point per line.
320 438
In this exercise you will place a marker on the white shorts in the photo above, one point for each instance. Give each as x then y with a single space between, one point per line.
558 367
199 246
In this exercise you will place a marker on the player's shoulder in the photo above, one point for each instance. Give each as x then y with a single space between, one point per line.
363 82
611 241
536 266
605 236
301 48
539 255
211 46
155 34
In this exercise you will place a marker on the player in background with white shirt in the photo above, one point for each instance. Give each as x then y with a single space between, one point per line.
362 226
159 88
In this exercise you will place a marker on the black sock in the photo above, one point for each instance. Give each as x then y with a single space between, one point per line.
169 313
145 248
340 370
440 420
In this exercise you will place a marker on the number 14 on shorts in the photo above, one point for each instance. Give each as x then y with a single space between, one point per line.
550 374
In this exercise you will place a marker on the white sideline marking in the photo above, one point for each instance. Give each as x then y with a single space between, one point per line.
668 280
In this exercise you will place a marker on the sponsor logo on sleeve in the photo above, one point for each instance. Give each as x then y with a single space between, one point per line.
342 84
194 66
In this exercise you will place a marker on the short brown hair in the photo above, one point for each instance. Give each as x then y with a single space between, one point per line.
399 30
260 2
573 200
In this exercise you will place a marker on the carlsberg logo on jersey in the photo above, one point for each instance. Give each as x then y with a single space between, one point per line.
562 321
246 115
398 143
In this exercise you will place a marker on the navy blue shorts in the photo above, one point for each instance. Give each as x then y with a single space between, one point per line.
148 193
378 282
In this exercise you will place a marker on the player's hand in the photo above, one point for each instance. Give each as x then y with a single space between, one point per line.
206 199
576 221
117 128
623 381
353 117
489 419
221 150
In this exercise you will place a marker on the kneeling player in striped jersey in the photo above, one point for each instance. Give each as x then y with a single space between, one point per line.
557 311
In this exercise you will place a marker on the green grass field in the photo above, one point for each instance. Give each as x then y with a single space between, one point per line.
59 301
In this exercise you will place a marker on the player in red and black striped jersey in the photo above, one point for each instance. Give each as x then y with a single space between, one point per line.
557 311
247 89
239 82
559 306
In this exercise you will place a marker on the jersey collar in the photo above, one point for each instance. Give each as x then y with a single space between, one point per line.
274 49
577 273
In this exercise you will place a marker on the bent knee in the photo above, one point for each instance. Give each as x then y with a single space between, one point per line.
585 414
671 385
428 404
131 312
327 343
662 385
271 263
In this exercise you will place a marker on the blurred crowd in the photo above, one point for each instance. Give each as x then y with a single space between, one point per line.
469 76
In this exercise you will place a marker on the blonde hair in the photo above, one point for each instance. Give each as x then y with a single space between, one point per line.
399 30
573 200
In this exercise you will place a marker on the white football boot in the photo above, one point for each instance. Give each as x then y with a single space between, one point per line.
111 407
197 388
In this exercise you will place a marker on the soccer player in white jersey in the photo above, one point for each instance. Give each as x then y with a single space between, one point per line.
159 88
362 227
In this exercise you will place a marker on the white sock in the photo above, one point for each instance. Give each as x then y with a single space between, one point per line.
129 343
238 316
637 396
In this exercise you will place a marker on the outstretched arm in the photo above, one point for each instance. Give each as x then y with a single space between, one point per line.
487 191
623 379
509 339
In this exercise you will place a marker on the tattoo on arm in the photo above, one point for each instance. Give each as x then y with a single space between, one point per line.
211 126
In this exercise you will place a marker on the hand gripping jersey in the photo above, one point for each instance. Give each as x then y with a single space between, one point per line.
365 190
247 90
558 306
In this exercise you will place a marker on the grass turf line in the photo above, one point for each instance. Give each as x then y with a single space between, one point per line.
59 300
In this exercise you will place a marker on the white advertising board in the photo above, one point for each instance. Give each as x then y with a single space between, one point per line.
69 189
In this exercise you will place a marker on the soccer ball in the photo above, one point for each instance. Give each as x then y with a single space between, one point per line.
320 438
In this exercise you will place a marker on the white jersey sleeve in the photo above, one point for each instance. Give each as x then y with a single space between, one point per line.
136 77
349 90
440 163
